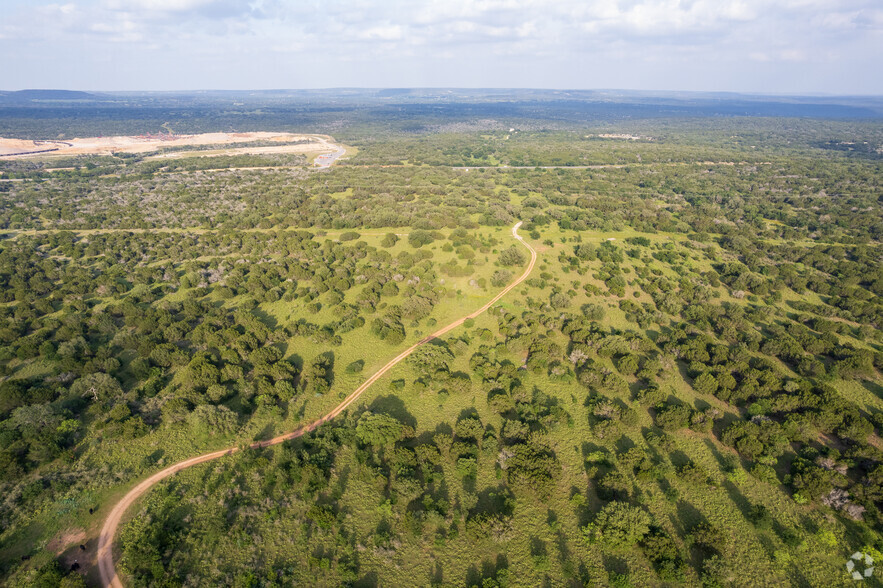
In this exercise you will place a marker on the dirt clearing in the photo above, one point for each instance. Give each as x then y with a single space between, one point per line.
65 539
270 142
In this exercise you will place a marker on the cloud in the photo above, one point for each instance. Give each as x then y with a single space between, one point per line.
157 5
179 8
381 33
560 39
557 22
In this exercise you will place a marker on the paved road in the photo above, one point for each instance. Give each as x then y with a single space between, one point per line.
326 159
106 567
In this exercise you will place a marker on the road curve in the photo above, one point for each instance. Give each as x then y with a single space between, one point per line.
106 567
325 160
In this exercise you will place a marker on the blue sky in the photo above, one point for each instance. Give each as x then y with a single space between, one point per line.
785 46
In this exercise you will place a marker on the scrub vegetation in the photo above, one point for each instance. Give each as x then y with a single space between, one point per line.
687 390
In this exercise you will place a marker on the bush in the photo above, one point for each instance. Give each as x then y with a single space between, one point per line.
419 238
627 365
356 366
211 420
673 417
651 395
500 278
512 256
593 312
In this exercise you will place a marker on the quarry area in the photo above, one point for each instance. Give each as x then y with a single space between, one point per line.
206 144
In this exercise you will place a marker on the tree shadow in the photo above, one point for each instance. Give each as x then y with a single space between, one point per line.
678 458
583 577
444 429
266 433
722 462
369 580
489 571
267 319
615 565
700 404
635 388
342 480
152 459
721 424
589 448
873 387
424 438
584 511
623 444
564 554
498 500
738 498
394 407
650 448
473 576
809 525
296 360
468 413
689 516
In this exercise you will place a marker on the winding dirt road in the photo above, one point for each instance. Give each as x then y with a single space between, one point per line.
106 568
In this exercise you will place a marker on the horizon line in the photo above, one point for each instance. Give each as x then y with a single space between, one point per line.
452 88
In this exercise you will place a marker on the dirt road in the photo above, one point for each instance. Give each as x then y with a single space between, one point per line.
106 568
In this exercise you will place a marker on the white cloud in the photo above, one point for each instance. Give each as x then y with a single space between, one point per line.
381 33
551 36
792 55
157 5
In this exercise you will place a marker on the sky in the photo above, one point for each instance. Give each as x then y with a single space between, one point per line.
757 46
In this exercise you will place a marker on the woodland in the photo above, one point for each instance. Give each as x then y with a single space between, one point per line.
687 390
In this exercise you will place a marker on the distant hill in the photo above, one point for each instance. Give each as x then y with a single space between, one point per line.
31 95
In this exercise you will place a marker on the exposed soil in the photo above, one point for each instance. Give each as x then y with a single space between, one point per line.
20 148
65 539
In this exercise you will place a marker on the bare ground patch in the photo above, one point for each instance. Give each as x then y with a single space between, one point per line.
287 143
64 539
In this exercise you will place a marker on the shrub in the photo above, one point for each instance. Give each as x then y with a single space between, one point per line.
500 278
512 256
419 238
355 367
211 420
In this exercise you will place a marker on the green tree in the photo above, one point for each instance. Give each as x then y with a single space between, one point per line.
619 525
705 383
431 359
97 387
379 430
